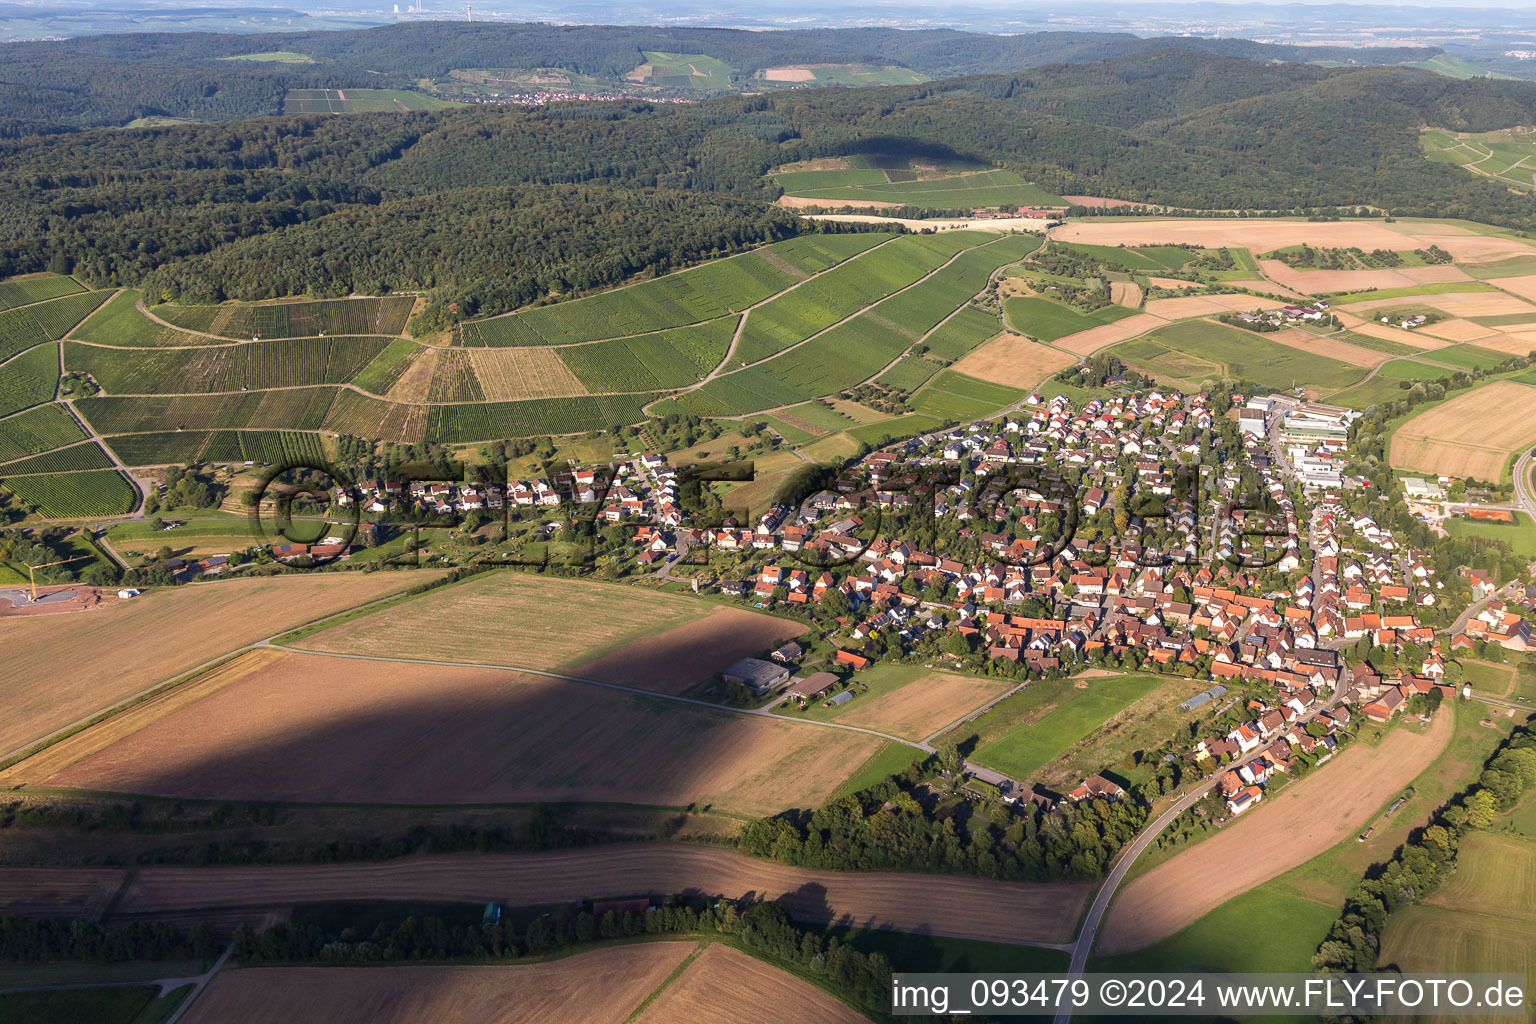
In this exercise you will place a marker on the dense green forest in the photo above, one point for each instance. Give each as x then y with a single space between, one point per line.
97 81
493 207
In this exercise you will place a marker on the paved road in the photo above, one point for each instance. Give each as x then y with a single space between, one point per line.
165 985
1096 911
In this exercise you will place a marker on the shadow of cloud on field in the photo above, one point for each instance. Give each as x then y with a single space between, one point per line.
316 729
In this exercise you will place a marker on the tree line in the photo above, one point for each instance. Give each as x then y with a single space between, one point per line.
893 826
1428 859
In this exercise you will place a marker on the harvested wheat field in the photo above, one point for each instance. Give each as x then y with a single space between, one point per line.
944 904
922 707
1330 347
1208 305
58 756
1521 343
1372 329
1173 282
672 661
58 892
119 649
527 621
1086 343
1014 360
1125 293
1307 818
726 986
327 730
1472 435
1479 304
1321 282
533 371
1256 234
603 986
1268 287
1524 286
1457 330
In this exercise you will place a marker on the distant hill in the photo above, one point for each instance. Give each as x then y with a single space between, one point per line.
99 81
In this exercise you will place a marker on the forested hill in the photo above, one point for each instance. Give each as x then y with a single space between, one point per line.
597 191
98 81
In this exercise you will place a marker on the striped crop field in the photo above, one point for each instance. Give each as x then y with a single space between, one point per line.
74 495
705 292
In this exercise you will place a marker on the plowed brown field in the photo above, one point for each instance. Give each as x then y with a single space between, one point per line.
672 661
1306 819
726 986
119 649
337 730
1006 911
603 986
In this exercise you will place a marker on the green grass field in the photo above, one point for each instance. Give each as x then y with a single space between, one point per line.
1468 356
1198 350
1029 746
887 761
273 57
847 74
1153 258
127 1004
1442 288
1523 817
1481 919
1520 535
1045 320
1230 939
955 396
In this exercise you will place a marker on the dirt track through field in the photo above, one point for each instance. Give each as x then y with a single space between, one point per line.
603 986
726 986
1307 818
952 905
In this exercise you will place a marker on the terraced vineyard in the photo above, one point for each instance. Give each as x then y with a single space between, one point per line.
63 460
254 366
858 348
19 291
41 322
181 383
37 430
74 495
676 300
29 379
242 321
